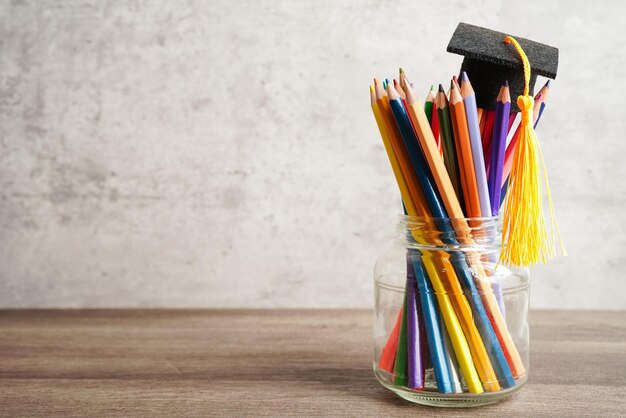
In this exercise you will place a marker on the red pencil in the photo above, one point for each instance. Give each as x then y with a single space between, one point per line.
434 125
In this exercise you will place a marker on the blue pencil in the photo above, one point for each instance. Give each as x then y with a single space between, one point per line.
498 147
434 331
481 319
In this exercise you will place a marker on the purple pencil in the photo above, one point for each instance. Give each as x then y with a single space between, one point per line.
498 141
415 337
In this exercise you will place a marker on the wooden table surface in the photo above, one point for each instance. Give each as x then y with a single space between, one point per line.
273 363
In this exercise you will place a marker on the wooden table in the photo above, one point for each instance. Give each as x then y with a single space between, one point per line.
276 363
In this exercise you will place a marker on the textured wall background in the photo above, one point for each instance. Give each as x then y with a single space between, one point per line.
223 154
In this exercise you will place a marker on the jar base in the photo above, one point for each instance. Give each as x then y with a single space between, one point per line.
448 400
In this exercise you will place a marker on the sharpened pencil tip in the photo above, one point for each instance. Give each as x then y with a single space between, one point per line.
506 83
548 83
375 81
371 89
401 71
464 76
441 89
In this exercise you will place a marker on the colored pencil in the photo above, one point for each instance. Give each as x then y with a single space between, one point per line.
487 134
428 104
459 343
470 352
444 368
416 346
464 153
469 99
544 93
436 201
393 159
489 298
503 109
434 125
424 136
479 353
417 159
396 85
400 367
388 354
451 359
447 140
413 196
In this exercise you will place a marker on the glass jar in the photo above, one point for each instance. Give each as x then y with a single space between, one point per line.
451 323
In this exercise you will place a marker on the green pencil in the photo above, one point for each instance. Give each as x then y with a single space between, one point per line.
400 377
428 104
447 136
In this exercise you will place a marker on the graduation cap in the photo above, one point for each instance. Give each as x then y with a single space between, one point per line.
489 62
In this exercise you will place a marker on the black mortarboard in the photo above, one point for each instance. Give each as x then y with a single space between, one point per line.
489 62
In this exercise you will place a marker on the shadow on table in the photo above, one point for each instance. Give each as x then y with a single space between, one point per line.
352 382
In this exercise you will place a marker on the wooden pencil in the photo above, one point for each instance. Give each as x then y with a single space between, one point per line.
469 99
452 322
430 151
464 352
543 93
503 109
434 125
447 140
470 192
428 104
396 85
393 159
487 134
476 342
415 207
416 339
444 367
400 368
464 153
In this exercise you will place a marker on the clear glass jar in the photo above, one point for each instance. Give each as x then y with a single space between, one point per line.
451 324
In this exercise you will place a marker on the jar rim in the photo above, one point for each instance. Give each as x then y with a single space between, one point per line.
484 233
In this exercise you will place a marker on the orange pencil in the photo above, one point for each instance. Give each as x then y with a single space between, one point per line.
464 153
431 152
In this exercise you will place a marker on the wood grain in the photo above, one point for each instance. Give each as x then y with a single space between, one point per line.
273 363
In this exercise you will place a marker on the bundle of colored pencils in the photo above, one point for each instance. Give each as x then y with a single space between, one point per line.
451 161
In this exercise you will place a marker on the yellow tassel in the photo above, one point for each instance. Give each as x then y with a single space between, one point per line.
525 239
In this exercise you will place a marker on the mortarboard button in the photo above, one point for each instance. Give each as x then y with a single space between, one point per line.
489 62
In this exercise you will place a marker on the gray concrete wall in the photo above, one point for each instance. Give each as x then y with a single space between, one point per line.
223 153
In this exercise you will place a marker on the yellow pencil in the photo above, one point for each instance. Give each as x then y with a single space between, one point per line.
395 166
